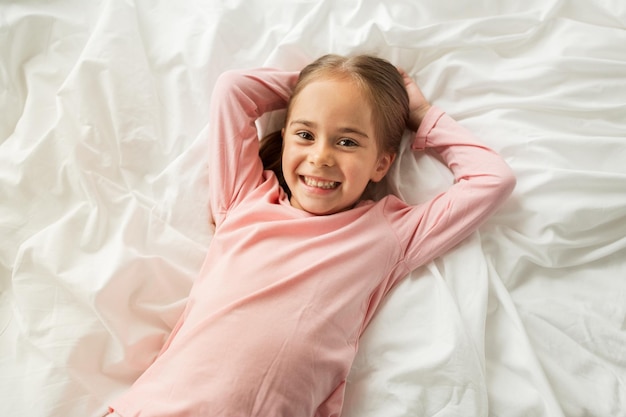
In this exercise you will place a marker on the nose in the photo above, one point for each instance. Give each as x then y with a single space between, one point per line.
322 154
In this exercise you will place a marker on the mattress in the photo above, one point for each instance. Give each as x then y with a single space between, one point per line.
104 206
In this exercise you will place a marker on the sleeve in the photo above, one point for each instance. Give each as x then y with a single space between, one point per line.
238 100
483 181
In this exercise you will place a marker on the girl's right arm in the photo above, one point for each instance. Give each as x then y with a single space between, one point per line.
238 100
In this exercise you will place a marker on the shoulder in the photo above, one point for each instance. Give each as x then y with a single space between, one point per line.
387 206
390 212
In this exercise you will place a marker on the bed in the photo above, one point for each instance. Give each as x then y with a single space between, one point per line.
103 196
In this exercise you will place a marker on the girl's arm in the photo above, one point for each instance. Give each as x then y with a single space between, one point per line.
238 100
483 181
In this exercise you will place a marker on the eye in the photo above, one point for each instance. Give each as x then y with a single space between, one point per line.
305 135
347 143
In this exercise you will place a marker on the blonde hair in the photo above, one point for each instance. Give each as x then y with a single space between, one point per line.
382 84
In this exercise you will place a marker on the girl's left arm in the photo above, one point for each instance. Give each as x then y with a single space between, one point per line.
240 97
483 181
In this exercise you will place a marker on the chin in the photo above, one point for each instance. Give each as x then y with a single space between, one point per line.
320 211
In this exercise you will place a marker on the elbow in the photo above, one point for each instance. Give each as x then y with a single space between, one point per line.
231 76
506 181
228 80
223 86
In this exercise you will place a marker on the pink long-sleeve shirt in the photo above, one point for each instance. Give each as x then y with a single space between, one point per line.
273 321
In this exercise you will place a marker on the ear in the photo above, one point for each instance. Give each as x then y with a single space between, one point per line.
382 167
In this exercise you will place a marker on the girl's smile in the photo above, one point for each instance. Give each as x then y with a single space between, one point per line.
330 149
318 183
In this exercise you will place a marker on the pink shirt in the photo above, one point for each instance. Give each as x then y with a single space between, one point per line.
273 321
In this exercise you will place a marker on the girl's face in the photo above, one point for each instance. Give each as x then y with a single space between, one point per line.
330 151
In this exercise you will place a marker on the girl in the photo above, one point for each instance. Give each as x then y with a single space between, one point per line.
296 271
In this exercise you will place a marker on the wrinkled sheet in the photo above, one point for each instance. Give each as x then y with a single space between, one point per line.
103 196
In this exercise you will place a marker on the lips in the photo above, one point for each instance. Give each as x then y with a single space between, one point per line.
320 183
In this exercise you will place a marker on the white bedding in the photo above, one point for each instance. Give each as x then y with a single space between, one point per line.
103 199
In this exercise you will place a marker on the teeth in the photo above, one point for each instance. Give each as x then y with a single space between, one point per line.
327 185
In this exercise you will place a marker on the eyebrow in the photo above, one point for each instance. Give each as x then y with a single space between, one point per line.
346 129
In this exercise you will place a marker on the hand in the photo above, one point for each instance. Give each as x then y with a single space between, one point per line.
418 105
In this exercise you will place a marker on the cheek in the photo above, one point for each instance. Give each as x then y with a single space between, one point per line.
289 159
354 172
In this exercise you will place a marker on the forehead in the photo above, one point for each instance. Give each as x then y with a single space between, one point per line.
336 100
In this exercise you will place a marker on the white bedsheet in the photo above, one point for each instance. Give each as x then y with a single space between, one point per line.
103 200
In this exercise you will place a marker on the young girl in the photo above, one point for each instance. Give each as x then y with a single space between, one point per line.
295 272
